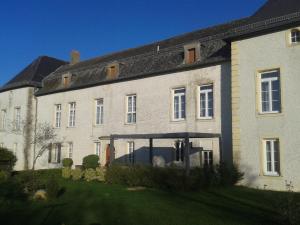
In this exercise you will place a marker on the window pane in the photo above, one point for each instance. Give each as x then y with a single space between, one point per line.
210 104
178 91
183 106
176 107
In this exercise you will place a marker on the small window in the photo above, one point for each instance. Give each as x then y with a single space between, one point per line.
70 150
179 104
131 109
3 119
98 149
295 36
270 92
99 111
179 151
72 109
112 71
206 103
57 123
17 119
207 158
66 81
271 157
191 55
130 151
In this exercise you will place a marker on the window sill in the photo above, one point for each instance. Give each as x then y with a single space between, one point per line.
269 175
206 118
178 120
271 114
98 125
70 127
130 124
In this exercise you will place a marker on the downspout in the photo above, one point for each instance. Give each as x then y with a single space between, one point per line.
34 133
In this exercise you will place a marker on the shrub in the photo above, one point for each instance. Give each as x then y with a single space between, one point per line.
67 162
288 208
66 172
52 187
90 174
76 174
12 190
100 173
8 160
229 174
3 176
90 161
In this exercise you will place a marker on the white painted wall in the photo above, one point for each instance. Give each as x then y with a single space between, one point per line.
260 53
154 112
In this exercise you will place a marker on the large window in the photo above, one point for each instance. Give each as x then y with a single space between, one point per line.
99 111
3 119
98 149
271 157
206 102
54 153
179 104
72 109
131 109
57 115
17 119
130 151
270 92
295 36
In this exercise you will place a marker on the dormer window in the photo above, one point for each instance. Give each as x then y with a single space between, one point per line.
66 80
112 71
191 53
295 36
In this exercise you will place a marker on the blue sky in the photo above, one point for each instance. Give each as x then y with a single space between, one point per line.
32 28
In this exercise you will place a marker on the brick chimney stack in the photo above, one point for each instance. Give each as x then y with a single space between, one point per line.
75 57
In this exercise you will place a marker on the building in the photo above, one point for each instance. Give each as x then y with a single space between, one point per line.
226 93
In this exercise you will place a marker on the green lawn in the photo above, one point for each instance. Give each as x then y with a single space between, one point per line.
95 203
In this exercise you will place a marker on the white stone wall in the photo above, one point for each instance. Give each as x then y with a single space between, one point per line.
265 52
154 113
9 100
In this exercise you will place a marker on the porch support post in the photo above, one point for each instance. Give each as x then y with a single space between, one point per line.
151 151
187 155
221 149
112 149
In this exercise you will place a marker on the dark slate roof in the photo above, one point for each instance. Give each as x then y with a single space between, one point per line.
34 73
146 61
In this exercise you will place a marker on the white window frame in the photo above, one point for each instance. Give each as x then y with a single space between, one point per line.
98 149
99 110
178 95
272 172
206 93
209 160
55 152
293 38
72 114
70 150
269 80
3 119
131 110
130 151
17 118
57 116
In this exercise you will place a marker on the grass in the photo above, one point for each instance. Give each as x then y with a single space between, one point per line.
96 203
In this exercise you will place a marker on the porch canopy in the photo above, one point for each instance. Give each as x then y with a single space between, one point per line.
183 135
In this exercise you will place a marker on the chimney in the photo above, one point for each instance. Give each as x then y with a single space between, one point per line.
75 57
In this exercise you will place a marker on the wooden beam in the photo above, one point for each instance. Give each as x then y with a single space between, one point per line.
151 151
187 155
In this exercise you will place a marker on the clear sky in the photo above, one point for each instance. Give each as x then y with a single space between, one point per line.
32 28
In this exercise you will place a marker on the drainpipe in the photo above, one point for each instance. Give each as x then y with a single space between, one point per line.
34 133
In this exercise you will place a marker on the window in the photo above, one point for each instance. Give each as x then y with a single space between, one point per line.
72 108
55 153
131 109
66 80
270 92
206 102
179 151
3 119
130 151
57 115
112 71
17 118
191 55
70 149
207 157
295 36
99 111
179 104
98 149
271 157
15 148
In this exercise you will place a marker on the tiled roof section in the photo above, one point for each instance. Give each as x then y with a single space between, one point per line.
276 8
34 73
143 61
